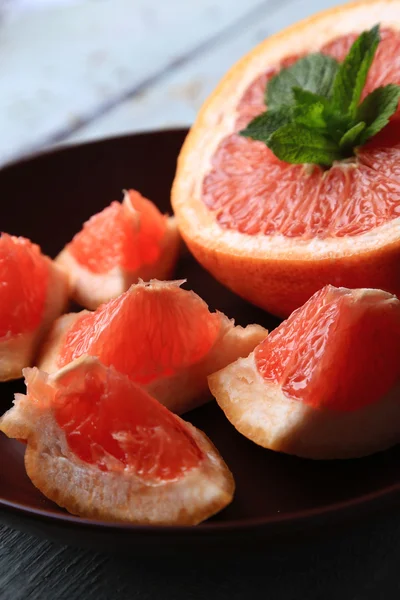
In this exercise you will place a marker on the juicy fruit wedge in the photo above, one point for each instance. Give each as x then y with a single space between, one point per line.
163 337
101 447
325 383
116 247
274 232
33 292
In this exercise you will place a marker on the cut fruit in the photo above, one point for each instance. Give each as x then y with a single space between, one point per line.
274 232
101 447
163 337
33 292
125 242
324 384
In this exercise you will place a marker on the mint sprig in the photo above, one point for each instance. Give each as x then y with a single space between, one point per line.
314 112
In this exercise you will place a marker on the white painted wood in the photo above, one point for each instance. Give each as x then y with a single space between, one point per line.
61 63
175 100
11 9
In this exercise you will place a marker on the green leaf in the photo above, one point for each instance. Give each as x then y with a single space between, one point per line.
352 136
306 97
377 108
315 107
337 123
295 143
352 73
265 124
310 115
314 73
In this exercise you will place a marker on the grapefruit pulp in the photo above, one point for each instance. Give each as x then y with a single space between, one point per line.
275 232
33 292
326 382
160 335
100 446
124 242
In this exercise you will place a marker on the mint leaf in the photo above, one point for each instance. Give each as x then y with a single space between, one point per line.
306 97
352 73
295 143
377 108
310 115
315 73
337 123
265 124
332 121
352 137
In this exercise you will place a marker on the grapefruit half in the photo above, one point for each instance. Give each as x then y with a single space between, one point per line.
325 383
118 246
274 232
101 447
160 335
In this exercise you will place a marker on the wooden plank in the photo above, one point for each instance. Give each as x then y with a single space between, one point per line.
66 62
175 100
360 564
37 569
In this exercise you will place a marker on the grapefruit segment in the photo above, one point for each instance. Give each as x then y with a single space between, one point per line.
274 232
33 292
325 383
24 275
163 337
124 242
100 446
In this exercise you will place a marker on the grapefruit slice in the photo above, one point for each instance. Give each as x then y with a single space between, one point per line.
325 383
163 337
274 232
33 292
118 246
101 447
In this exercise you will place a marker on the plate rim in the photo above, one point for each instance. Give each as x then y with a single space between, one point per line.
371 503
62 147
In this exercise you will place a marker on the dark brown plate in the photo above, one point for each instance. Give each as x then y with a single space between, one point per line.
47 198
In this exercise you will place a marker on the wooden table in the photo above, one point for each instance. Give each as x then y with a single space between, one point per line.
361 565
77 70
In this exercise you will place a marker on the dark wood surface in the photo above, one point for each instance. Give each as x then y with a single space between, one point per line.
361 565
